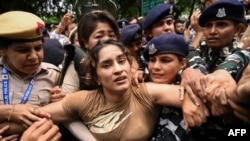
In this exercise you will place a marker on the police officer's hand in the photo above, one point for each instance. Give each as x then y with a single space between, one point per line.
138 77
194 115
191 83
43 130
23 114
7 138
56 94
241 111
218 100
215 85
218 109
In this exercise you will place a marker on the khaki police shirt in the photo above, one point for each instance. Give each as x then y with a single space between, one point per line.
46 78
71 80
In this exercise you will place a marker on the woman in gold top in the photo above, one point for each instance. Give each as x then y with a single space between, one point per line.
116 110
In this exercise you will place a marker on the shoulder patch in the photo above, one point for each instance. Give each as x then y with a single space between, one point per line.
49 66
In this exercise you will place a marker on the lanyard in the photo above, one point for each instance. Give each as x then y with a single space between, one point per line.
5 83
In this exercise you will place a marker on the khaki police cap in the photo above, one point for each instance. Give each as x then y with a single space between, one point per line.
21 26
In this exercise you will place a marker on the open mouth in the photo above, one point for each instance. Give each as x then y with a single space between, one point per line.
120 79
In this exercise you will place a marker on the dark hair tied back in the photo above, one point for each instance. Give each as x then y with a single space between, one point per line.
90 63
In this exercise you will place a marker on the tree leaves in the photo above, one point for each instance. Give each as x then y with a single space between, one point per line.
51 11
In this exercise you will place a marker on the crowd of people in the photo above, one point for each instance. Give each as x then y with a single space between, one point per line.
153 78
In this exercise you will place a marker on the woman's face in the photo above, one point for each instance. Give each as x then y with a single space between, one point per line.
103 31
163 26
163 68
113 69
24 58
220 33
135 46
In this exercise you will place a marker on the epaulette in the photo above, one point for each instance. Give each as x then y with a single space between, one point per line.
45 65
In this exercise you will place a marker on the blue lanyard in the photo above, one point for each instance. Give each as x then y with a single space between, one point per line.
5 83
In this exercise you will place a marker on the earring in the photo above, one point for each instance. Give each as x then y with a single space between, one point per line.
180 71
98 83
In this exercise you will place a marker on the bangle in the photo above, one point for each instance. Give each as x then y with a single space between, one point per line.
11 111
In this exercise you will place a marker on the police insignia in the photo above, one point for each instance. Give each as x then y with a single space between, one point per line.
39 28
152 49
221 13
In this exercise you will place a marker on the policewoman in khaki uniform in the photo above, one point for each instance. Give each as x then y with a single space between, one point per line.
25 80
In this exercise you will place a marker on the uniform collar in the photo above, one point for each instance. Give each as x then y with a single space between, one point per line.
42 68
225 51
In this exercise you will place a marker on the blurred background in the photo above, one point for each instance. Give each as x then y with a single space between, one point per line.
51 11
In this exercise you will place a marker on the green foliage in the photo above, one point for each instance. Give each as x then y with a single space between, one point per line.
186 7
51 11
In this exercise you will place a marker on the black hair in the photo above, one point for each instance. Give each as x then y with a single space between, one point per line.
4 43
90 63
89 22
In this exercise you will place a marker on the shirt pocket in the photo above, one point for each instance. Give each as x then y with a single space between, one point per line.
17 97
42 93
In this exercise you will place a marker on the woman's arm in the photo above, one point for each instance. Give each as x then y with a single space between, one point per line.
168 95
67 109
239 97
165 94
54 111
194 115
243 88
